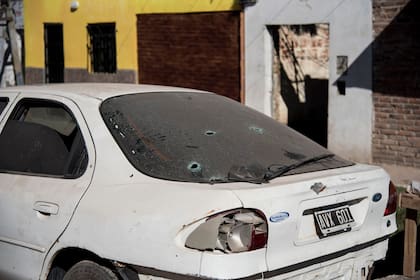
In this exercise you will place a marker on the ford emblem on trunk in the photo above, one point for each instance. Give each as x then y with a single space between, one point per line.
318 187
376 197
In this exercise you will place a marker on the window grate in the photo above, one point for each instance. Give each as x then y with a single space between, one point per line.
102 47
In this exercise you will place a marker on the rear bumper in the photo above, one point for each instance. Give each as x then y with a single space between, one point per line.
351 263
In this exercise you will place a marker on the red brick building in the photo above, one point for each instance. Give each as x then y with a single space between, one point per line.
396 82
195 50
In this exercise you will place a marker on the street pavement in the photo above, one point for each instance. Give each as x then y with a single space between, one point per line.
400 277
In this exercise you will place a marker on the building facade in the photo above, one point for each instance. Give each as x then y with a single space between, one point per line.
182 43
363 100
396 82
346 110
343 72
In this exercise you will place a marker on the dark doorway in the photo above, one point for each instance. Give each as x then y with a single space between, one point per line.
54 53
300 78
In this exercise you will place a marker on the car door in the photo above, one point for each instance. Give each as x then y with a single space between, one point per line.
46 165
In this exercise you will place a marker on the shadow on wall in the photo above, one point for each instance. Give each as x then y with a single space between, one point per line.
311 117
396 57
305 97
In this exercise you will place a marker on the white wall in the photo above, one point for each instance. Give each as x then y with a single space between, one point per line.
350 22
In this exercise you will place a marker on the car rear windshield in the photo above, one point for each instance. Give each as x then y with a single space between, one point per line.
203 137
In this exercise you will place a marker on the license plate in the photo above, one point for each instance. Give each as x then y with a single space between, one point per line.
334 220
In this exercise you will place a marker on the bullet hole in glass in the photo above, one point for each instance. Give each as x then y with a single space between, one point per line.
210 132
194 167
257 130
191 147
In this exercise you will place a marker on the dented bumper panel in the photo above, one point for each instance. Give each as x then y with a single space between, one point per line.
351 264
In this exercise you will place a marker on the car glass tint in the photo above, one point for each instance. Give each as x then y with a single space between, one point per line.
55 118
3 103
199 137
42 138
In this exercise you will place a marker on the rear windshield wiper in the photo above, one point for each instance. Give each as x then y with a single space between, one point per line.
253 173
276 170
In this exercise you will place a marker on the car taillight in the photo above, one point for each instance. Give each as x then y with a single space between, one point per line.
391 206
231 232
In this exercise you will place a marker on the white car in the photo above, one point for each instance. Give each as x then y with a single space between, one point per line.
114 181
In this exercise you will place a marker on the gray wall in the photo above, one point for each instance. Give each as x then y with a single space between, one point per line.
8 78
350 22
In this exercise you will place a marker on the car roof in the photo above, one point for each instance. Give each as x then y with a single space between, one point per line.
99 91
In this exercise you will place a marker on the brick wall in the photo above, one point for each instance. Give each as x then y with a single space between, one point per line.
396 82
199 50
309 45
397 130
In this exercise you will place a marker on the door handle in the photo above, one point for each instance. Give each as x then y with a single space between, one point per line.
46 208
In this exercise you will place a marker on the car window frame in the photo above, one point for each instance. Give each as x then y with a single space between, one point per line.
16 109
6 101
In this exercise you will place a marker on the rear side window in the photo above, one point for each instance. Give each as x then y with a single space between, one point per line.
42 137
3 103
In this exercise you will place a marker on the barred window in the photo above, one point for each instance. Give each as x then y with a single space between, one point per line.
102 47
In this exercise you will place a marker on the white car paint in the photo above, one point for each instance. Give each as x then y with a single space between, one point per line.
10 97
122 215
33 208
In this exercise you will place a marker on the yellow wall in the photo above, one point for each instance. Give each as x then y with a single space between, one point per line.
123 12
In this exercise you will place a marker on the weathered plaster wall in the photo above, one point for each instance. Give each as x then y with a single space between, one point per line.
350 23
8 78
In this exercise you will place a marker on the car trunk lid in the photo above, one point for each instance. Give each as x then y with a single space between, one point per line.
316 214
